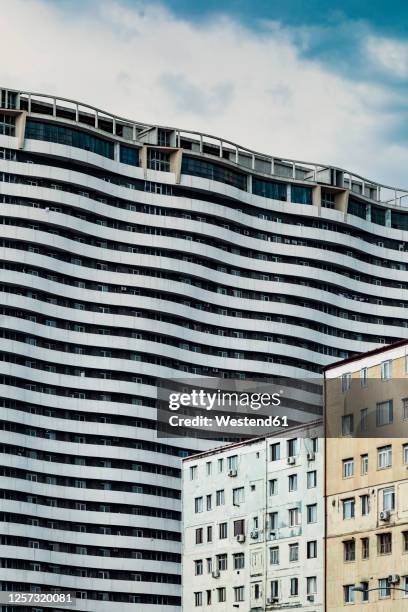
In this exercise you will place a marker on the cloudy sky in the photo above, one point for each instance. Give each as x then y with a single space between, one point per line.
317 80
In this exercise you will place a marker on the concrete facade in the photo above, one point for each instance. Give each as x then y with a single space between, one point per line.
367 487
272 506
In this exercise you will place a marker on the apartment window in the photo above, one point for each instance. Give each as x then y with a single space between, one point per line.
364 419
389 498
405 408
220 465
365 594
274 589
199 535
294 517
198 567
239 561
311 585
294 587
223 531
384 455
405 541
275 451
273 520
384 588
364 377
239 527
345 382
7 125
198 598
209 502
349 548
198 504
273 486
220 497
311 513
384 413
294 552
209 533
312 479
292 480
364 464
238 496
386 369
209 565
239 593
311 549
208 468
292 447
232 462
365 548
158 160
222 594
348 591
405 453
347 424
222 562
274 555
348 468
384 543
348 508
193 472
365 504
405 585
209 593
315 445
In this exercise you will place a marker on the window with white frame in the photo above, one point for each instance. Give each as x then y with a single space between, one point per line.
384 588
198 598
239 593
222 562
386 369
348 590
198 567
364 419
348 468
208 468
274 555
348 508
364 464
238 560
273 521
193 472
365 504
311 549
238 496
384 455
405 453
209 502
388 495
405 408
364 377
274 452
274 589
311 513
345 381
232 462
294 517
347 424
292 447
223 531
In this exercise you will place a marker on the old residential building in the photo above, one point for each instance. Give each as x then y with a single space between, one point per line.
253 525
366 481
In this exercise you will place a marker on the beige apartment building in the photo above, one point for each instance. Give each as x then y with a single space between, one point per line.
366 481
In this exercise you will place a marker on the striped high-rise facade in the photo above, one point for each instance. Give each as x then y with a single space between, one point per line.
131 252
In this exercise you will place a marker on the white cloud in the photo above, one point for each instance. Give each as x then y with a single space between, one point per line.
254 88
389 55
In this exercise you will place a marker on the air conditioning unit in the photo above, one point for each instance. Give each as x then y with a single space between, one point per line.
215 573
310 598
291 460
241 538
385 515
272 600
233 473
254 534
393 579
311 456
272 535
